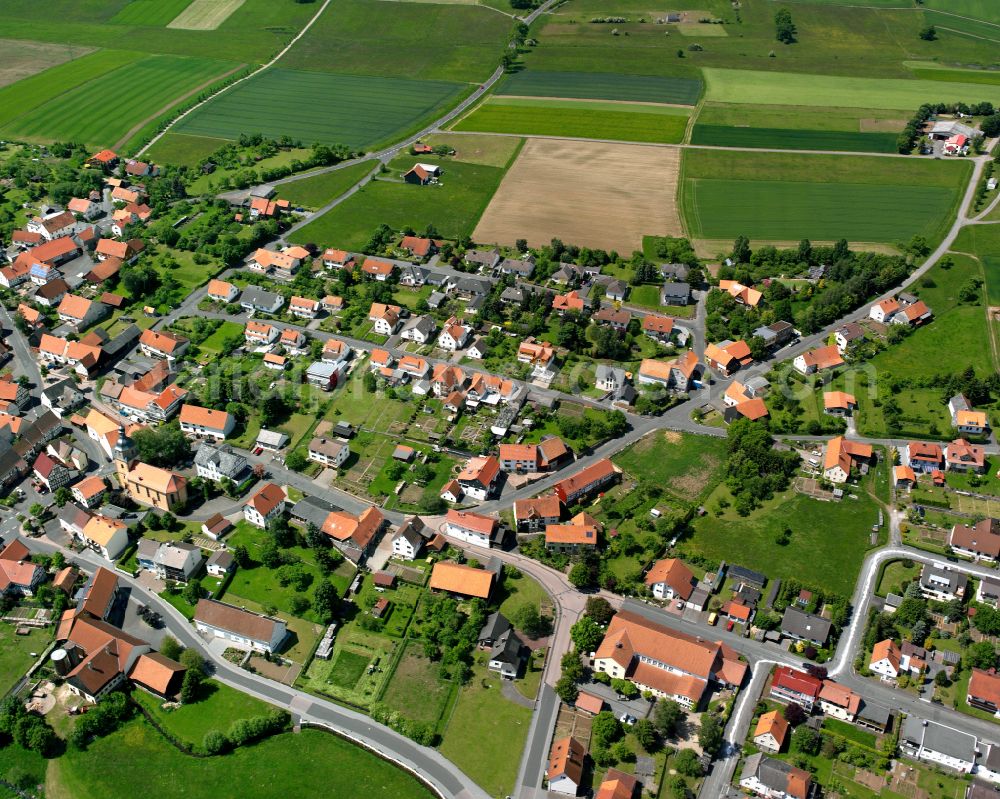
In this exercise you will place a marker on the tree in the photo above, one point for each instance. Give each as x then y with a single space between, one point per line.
667 716
582 575
566 690
686 762
710 735
193 592
164 446
645 734
941 679
784 28
928 33
62 495
528 620
981 656
991 126
170 647
586 635
273 410
793 713
191 685
241 556
296 461
625 688
605 729
281 531
806 740
599 609
325 601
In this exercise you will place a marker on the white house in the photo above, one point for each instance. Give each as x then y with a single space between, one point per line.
268 503
206 422
329 452
260 333
107 537
409 539
886 660
472 528
935 743
454 335
214 462
565 768
419 329
239 627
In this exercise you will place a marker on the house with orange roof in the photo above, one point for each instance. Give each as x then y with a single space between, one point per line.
83 358
125 251
961 456
586 482
387 318
355 536
303 307
336 351
293 340
531 515
967 421
85 207
579 534
446 379
105 159
564 771
147 406
377 269
980 542
418 247
454 578
616 784
839 701
818 360
414 367
32 316
570 301
770 732
260 333
540 355
839 403
884 310
790 685
744 295
422 174
267 502
452 492
843 455
904 476
79 311
455 334
659 328
104 270
18 575
654 372
206 422
332 304
913 314
90 491
337 259
163 344
719 358
670 578
885 659
984 691
479 477
753 409
122 194
264 208
472 528
283 264
106 536
923 456
15 274
667 662
221 291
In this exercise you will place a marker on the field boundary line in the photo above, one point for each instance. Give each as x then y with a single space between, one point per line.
970 35
224 89
165 109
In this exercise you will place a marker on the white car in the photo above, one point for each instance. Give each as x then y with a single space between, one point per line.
627 719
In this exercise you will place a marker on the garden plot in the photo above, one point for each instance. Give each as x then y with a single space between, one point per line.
592 194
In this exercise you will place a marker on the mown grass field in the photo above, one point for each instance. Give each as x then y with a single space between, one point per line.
602 86
579 119
181 149
798 128
320 189
22 59
777 88
92 113
787 197
453 207
681 464
15 653
305 765
962 25
149 12
451 42
346 109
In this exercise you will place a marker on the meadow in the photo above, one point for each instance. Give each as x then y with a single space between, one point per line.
343 109
22 59
786 197
777 88
312 192
149 12
404 40
93 114
453 207
602 86
963 25
304 764
181 149
579 119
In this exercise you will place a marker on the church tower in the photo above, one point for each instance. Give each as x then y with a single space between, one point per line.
124 457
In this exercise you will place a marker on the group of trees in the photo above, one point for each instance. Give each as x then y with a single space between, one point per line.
103 719
164 446
449 636
784 28
245 731
25 729
755 470
907 140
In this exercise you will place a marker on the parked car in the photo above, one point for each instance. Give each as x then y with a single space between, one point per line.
729 625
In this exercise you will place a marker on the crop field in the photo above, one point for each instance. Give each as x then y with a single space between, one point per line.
588 193
453 207
149 12
93 114
22 59
777 196
205 15
986 10
454 42
928 70
579 118
963 25
180 149
602 86
798 128
30 93
342 109
320 189
777 88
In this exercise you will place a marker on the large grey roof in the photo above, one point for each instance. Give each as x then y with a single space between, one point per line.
222 457
258 297
805 625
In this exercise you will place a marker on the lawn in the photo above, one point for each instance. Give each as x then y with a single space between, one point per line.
486 733
345 676
648 296
682 464
453 206
181 149
415 690
218 706
271 104
207 183
793 196
602 86
518 591
895 576
213 344
149 12
485 150
313 192
757 87
826 555
92 114
15 653
305 765
580 119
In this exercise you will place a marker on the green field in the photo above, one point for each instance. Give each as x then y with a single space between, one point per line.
93 114
415 689
788 197
15 653
149 12
179 149
962 25
316 191
776 88
453 42
342 109
453 207
681 464
217 707
305 765
777 138
595 120
602 86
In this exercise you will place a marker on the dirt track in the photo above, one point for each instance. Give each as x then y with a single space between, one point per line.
586 193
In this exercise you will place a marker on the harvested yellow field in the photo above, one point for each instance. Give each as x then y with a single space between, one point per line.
205 15
591 194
